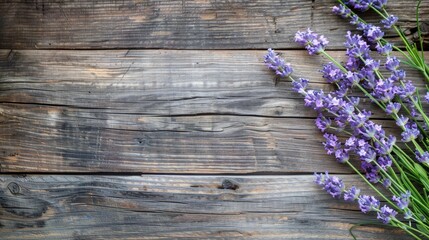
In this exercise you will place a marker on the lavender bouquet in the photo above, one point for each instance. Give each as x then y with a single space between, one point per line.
399 165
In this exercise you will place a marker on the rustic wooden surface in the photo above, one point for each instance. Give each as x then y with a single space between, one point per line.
157 120
202 24
179 207
157 111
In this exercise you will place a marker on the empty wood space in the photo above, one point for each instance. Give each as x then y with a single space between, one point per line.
157 119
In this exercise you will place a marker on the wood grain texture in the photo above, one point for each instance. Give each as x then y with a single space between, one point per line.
177 207
203 24
156 111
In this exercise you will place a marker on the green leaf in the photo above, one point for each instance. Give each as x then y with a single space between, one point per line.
421 171
422 228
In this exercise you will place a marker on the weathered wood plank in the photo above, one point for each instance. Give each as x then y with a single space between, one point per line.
155 111
203 24
177 207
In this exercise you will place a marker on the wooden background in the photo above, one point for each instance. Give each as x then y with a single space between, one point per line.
157 120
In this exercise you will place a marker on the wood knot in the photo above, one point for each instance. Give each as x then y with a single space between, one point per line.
14 188
229 184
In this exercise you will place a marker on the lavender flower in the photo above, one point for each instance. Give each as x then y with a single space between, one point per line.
356 46
361 5
410 133
341 155
351 194
300 86
407 90
390 21
368 203
323 123
384 146
427 97
334 186
403 200
408 214
314 99
331 144
384 90
422 157
384 162
350 143
373 33
392 63
319 178
386 214
386 183
341 10
378 3
401 121
277 64
332 73
384 49
314 43
393 108
331 184
398 75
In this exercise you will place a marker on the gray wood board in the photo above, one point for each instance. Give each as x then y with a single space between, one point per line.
203 24
157 111
178 207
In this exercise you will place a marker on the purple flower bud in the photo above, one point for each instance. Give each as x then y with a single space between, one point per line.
384 162
410 133
384 90
408 214
319 179
403 200
352 64
353 78
314 43
392 63
300 86
361 5
373 33
342 156
379 4
332 73
422 157
401 121
427 97
398 75
341 10
407 90
384 50
351 194
390 21
384 146
334 186
354 100
393 108
331 144
314 99
323 123
274 62
386 214
356 47
386 183
368 203
371 64
350 143
372 174
354 19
